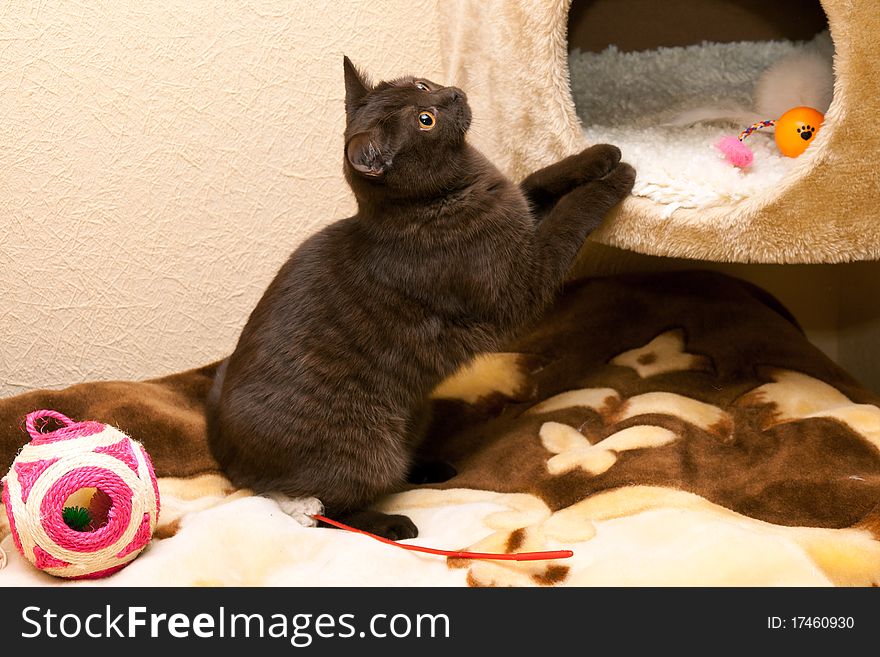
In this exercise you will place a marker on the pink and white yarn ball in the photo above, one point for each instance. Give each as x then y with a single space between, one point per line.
109 473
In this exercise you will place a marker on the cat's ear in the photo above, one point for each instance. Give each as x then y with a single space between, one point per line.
356 85
367 155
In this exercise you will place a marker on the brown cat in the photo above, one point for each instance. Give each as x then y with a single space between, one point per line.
326 394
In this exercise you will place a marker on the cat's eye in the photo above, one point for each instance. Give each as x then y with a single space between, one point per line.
427 120
422 86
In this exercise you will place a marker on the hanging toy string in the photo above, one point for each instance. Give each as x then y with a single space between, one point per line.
522 556
756 126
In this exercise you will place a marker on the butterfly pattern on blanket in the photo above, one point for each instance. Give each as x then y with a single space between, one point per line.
637 424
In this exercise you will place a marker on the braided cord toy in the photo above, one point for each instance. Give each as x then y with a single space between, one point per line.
756 126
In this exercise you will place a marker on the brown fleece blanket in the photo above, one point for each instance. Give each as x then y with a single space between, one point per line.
671 428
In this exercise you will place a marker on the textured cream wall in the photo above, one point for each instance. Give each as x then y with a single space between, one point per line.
159 160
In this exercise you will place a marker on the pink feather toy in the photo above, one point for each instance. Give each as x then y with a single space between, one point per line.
736 151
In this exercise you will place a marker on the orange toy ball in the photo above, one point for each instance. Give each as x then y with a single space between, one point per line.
796 129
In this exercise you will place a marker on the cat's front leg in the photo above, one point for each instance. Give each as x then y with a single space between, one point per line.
546 186
577 214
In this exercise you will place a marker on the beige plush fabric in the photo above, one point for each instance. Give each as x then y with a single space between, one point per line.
511 57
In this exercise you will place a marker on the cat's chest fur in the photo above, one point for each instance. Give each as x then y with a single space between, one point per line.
455 263
456 254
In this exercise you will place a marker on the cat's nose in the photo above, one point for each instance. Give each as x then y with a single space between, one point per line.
454 95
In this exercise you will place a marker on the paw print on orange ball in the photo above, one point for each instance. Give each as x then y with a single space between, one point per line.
796 129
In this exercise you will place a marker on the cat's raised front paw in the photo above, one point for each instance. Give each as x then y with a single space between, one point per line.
604 193
596 161
620 180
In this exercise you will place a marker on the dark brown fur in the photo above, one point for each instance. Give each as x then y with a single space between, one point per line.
326 392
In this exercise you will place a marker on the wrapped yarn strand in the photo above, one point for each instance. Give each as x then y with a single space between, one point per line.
80 458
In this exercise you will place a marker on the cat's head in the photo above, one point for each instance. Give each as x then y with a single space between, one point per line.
405 134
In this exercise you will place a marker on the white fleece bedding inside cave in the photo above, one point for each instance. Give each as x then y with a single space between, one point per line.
632 99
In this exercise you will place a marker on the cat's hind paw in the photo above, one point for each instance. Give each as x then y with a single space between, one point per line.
301 509
392 527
